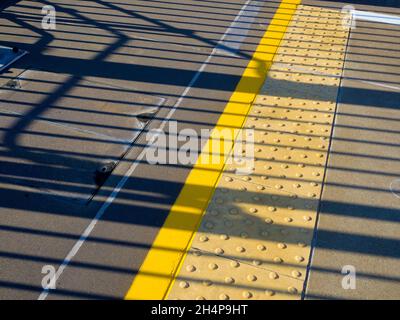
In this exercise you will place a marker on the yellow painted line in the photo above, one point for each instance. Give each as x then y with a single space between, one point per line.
169 249
254 241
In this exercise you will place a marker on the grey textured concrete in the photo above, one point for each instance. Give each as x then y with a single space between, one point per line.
82 85
359 219
71 105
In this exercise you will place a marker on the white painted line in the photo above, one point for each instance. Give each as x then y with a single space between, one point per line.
376 17
6 63
378 84
134 165
395 188
239 29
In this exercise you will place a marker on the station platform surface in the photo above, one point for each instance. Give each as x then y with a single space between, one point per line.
316 90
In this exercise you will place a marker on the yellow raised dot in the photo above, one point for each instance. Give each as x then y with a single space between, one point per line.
296 273
269 293
273 275
292 290
203 238
213 266
223 296
229 280
191 268
261 247
251 277
224 237
206 283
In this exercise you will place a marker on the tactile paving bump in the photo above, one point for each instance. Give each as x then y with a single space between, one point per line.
255 238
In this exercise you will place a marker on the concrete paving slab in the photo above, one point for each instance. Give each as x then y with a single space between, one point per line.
98 45
359 215
62 142
95 108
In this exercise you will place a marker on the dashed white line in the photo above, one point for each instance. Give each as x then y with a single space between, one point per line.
378 84
238 30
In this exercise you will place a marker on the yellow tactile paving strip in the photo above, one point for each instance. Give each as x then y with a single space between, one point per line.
255 238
